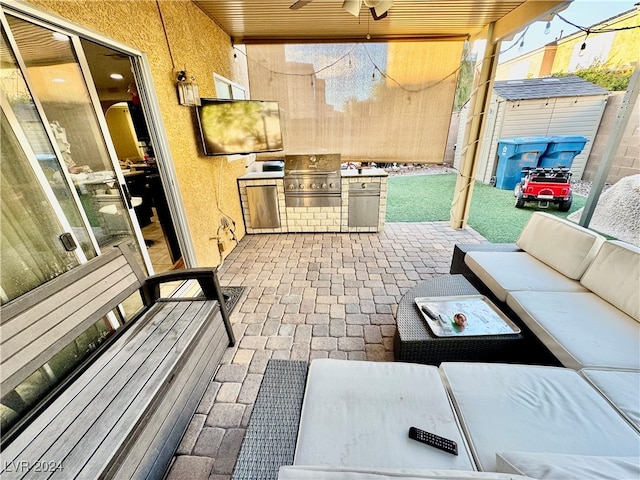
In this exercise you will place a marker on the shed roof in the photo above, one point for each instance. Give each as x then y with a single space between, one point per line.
551 87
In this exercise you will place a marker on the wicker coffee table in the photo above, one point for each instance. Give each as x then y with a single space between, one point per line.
416 343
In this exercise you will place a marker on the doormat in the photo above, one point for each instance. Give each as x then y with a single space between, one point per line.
231 297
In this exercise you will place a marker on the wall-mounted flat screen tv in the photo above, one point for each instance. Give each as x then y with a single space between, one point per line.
229 127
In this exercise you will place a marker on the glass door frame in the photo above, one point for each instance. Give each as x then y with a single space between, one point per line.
151 108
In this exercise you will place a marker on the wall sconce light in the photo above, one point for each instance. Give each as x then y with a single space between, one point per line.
188 93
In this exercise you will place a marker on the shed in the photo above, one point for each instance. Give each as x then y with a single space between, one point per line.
539 107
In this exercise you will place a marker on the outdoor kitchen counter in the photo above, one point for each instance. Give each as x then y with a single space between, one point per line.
362 209
364 200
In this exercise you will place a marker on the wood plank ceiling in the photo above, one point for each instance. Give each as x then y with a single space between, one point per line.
262 21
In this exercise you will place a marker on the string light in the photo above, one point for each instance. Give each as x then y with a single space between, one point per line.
588 30
348 55
583 47
521 46
519 41
547 28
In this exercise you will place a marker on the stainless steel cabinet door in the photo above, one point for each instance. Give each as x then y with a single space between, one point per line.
263 206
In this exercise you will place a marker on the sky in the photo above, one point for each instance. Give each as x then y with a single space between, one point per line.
584 13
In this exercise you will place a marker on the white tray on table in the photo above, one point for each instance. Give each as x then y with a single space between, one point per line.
483 317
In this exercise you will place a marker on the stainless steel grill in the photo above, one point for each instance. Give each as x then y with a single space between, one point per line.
312 180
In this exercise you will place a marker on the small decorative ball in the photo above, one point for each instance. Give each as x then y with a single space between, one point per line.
460 319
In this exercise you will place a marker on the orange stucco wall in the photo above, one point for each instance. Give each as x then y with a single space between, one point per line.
198 44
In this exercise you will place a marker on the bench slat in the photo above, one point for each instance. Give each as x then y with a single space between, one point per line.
103 375
22 361
50 288
65 301
122 416
121 396
172 412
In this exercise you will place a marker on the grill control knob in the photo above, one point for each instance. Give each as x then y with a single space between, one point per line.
364 185
301 187
290 186
324 185
331 185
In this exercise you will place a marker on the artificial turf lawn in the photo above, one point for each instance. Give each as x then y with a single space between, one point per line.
428 198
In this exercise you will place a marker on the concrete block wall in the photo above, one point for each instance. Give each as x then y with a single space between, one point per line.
627 158
313 219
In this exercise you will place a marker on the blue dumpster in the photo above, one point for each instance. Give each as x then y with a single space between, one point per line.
513 155
562 150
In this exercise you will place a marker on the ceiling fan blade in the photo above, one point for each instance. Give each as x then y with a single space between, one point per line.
376 16
352 6
382 8
299 4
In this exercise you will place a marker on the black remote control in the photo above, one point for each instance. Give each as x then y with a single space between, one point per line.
433 440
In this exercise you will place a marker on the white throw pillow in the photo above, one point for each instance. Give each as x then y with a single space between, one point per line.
556 466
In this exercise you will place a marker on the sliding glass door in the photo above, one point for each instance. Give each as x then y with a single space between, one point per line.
35 235
49 96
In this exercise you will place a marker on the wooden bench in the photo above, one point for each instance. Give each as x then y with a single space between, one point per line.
123 412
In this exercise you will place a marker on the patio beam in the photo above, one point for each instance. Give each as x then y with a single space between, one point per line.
503 29
525 14
480 98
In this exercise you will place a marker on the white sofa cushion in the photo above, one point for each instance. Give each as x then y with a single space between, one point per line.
621 388
615 276
358 414
580 329
304 472
559 243
532 408
503 272
553 466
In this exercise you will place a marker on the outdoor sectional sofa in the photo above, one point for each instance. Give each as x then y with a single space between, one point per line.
350 420
577 292
573 289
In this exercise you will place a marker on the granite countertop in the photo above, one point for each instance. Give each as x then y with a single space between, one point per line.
259 175
366 172
347 173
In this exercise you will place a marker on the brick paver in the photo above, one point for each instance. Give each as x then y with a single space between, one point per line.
307 296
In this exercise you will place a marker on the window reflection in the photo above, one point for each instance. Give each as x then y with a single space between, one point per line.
58 82
30 252
17 94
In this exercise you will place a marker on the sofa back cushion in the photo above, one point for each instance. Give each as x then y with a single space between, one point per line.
559 243
614 275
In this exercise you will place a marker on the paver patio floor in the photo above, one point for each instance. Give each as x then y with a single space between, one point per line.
307 296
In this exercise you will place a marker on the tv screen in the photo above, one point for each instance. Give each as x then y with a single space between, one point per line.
229 127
